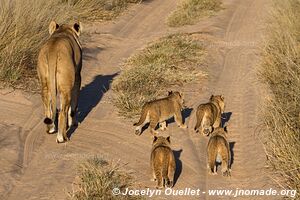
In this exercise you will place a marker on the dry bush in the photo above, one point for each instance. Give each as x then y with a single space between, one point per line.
97 179
24 27
281 71
190 11
173 60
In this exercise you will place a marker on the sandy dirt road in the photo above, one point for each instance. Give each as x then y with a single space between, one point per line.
33 166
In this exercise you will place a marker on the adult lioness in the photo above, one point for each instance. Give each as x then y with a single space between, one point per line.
209 114
160 110
218 151
59 66
162 162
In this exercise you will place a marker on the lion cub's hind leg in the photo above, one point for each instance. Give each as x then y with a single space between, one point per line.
206 128
225 163
153 123
159 179
171 173
212 157
163 125
138 129
179 120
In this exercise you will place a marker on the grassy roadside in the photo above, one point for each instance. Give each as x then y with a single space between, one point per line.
97 179
24 27
281 72
172 60
190 11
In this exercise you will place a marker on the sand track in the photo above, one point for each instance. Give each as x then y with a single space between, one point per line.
35 167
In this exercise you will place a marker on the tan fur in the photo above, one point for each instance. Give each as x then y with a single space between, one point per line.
59 66
218 150
162 162
158 111
209 114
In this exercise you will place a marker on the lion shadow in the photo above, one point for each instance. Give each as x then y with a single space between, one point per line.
90 95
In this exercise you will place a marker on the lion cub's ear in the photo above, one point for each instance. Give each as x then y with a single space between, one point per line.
211 97
77 28
53 26
170 92
154 139
222 97
168 139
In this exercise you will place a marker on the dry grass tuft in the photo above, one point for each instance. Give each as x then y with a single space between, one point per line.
98 178
190 11
281 71
24 27
173 60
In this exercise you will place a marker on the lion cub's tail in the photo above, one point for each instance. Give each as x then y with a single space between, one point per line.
143 117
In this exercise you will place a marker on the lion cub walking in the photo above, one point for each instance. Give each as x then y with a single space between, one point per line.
218 151
209 114
162 162
158 111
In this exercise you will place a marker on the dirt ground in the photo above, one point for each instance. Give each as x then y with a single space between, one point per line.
34 166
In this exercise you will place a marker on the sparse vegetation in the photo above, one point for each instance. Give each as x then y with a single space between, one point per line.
24 27
281 71
172 60
190 11
97 179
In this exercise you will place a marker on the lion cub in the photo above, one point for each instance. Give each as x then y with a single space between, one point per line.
209 114
218 151
160 110
162 162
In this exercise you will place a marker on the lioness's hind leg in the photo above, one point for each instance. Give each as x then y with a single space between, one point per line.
49 118
74 102
62 120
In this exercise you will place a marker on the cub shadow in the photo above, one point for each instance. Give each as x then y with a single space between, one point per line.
231 146
90 95
178 163
225 117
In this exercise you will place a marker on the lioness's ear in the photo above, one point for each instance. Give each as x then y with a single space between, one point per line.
154 139
211 97
170 92
222 97
53 26
168 139
77 28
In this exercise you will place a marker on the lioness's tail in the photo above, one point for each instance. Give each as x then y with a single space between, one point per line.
52 66
199 116
143 117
